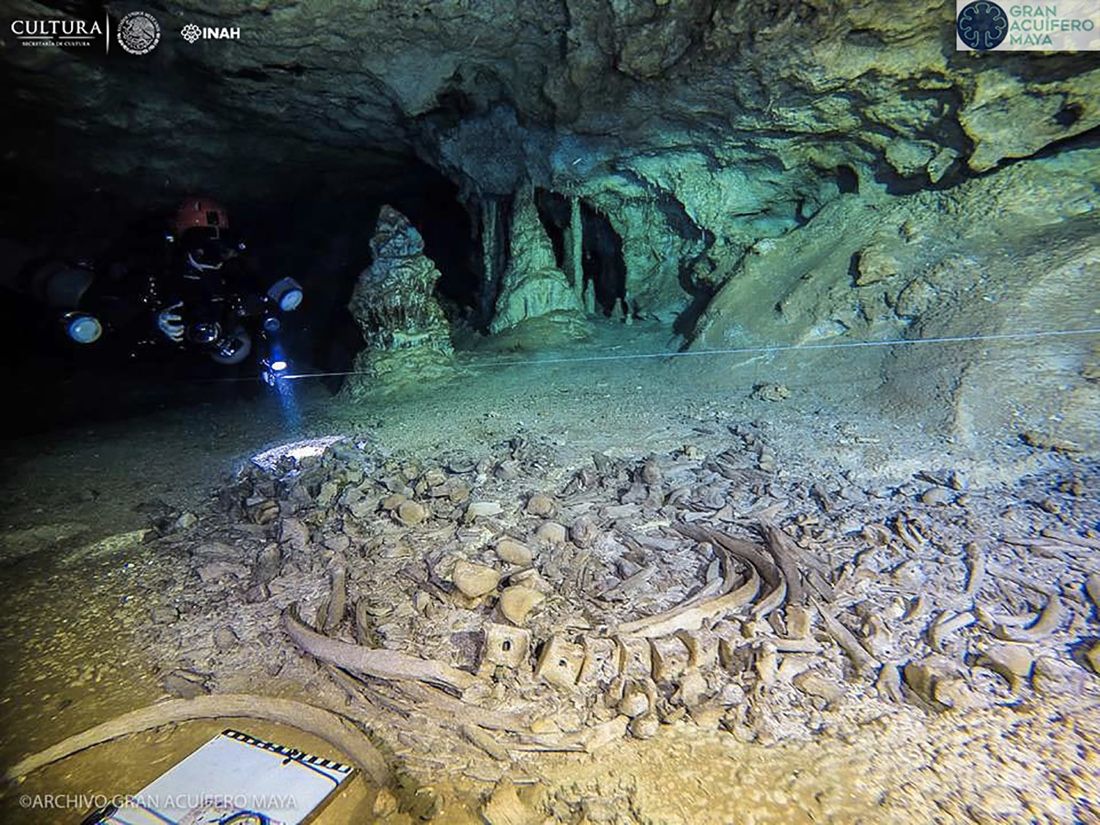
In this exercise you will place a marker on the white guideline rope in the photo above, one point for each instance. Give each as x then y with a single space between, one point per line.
895 342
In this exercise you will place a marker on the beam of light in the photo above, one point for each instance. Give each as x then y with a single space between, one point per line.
296 450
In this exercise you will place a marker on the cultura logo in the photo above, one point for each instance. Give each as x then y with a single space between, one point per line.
192 33
138 32
57 32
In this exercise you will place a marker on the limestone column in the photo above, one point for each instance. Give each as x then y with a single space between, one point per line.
575 246
488 254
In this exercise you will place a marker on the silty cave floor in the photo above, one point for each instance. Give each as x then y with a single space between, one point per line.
880 507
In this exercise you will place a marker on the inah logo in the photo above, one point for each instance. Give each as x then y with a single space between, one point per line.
138 32
192 33
982 25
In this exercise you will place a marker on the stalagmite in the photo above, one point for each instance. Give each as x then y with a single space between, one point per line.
532 285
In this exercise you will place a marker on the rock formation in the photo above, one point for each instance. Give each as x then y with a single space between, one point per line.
533 286
406 333
708 132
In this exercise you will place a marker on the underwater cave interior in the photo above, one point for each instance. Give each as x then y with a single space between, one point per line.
675 411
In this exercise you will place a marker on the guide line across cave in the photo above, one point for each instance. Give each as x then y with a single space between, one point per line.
760 350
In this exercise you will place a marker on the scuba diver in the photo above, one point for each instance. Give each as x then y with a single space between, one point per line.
194 290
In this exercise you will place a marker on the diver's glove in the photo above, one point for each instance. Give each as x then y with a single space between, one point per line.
170 322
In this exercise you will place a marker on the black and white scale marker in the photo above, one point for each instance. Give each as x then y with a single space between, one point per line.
234 779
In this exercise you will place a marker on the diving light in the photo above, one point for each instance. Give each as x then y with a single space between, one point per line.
82 328
273 370
287 293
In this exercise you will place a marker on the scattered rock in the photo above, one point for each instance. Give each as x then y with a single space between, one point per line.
479 509
411 513
634 703
185 684
924 677
955 693
514 552
225 639
584 532
165 614
186 521
937 496
645 726
517 601
1012 661
269 561
551 532
770 392
875 264
504 807
220 570
393 501
1092 657
997 803
651 472
474 580
385 803
294 534
815 683
541 505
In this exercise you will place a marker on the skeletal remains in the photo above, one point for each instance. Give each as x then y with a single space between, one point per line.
786 600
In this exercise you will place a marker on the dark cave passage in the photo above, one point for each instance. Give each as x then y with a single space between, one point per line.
604 266
553 210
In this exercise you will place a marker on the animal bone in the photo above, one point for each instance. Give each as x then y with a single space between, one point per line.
1071 538
560 663
975 561
702 648
888 683
849 644
599 660
634 657
1049 618
693 616
635 701
670 659
337 602
785 553
425 698
486 742
333 728
751 556
382 664
1092 587
506 646
799 620
947 624
474 580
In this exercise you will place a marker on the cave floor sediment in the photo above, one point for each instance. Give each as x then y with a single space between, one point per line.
76 615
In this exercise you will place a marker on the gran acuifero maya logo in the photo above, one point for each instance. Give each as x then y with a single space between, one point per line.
1063 26
136 32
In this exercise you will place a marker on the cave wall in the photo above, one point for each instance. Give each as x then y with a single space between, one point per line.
759 152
